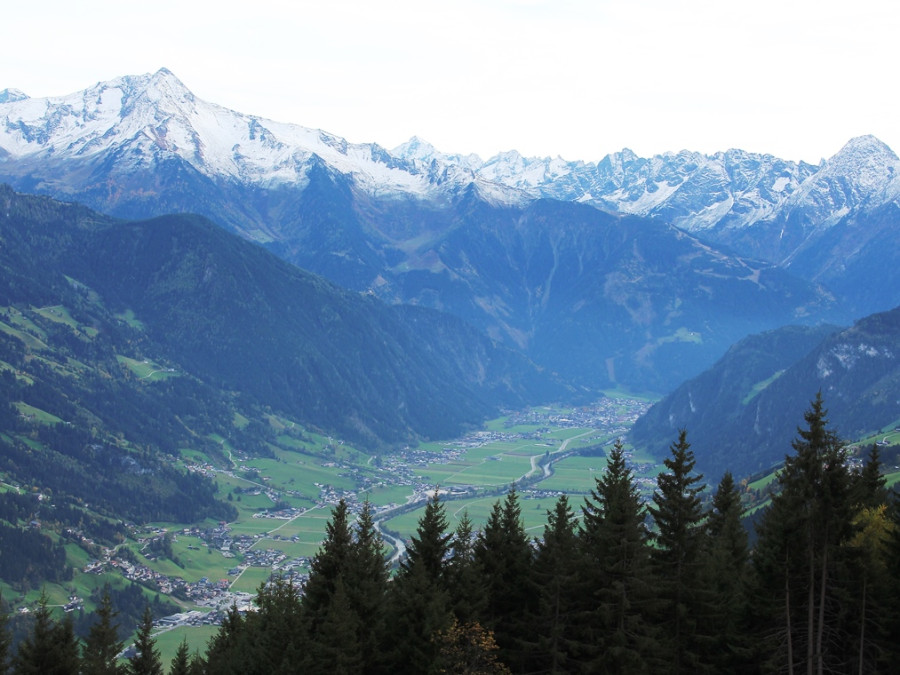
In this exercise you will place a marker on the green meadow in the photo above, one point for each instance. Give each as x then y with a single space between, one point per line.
60 314
575 474
195 560
251 579
501 462
40 416
496 469
385 495
144 369
168 641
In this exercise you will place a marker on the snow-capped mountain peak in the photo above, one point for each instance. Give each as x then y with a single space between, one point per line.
10 95
864 174
415 148
866 157
145 120
149 118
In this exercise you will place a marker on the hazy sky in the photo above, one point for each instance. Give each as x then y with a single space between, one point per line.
572 78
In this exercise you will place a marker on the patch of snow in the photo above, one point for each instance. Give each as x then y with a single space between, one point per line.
780 183
822 368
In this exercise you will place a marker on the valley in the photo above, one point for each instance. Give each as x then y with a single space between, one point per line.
284 502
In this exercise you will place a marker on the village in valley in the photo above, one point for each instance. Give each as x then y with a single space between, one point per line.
224 562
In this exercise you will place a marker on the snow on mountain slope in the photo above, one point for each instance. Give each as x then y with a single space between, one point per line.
865 174
138 121
725 191
154 116
9 95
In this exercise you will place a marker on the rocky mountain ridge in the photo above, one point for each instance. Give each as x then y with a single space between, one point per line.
153 117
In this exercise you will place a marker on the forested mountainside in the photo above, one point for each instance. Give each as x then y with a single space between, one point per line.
739 410
234 316
122 345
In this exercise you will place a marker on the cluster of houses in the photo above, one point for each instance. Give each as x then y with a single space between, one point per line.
614 416
273 559
138 573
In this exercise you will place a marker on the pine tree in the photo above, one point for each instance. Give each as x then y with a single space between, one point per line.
65 648
870 489
49 648
556 565
418 610
678 515
615 584
198 665
227 652
504 555
181 662
367 587
420 600
353 559
329 563
775 587
801 547
869 584
428 547
146 660
725 577
336 650
102 646
464 578
275 633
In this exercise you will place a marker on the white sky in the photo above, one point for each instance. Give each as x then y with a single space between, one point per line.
575 78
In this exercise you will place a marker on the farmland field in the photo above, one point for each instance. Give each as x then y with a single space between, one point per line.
250 579
197 637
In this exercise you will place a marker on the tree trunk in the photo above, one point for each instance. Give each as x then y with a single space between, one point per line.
811 614
862 623
820 630
787 618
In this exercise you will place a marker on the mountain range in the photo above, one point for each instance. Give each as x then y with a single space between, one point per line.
131 124
628 271
136 122
233 316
